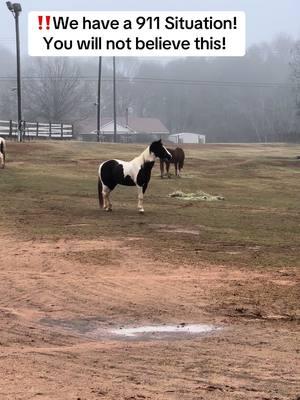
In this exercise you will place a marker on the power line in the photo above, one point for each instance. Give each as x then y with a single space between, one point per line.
158 80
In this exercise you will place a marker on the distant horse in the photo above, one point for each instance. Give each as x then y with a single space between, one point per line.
2 152
136 172
177 159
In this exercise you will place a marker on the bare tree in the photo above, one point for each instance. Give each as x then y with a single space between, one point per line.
54 91
295 78
8 99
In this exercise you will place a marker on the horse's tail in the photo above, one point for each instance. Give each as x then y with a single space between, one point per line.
3 148
100 194
181 157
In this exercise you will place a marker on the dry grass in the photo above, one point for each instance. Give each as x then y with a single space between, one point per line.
48 190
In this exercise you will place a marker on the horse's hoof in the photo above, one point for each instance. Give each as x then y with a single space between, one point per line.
108 209
141 211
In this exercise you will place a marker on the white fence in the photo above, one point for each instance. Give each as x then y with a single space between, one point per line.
38 130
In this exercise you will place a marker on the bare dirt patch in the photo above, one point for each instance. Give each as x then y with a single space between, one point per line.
51 300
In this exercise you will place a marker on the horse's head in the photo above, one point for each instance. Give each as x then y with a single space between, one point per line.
160 151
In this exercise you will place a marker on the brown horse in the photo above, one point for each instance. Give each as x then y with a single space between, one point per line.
177 159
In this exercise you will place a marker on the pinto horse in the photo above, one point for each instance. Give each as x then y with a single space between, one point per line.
136 172
2 152
177 159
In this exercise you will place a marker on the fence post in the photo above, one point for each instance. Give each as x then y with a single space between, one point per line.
50 132
24 130
62 130
37 129
10 127
72 131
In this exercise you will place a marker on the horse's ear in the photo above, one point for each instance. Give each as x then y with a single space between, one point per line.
156 141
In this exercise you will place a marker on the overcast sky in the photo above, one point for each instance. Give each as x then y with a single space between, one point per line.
265 18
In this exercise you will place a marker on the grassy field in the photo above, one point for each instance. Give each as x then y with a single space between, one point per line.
71 274
48 190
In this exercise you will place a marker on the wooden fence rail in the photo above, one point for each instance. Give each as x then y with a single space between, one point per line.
38 130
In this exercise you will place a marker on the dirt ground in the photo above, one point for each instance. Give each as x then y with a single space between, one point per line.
71 273
60 299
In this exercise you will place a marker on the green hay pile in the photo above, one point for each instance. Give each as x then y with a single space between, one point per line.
199 195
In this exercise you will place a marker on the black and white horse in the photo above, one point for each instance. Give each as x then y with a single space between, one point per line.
2 152
136 172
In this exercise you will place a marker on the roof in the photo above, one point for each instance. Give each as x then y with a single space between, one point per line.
186 133
108 128
135 125
147 125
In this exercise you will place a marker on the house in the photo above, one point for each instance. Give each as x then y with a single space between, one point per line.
187 137
135 129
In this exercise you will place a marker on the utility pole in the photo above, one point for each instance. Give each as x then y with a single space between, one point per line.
127 116
99 98
114 100
16 9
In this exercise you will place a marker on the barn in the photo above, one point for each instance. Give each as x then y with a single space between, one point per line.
187 137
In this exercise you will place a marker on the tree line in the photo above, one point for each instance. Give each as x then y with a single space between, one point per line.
255 98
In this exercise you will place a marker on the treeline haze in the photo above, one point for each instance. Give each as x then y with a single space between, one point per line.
255 98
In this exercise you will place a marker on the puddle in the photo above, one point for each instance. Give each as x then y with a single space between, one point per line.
97 329
160 331
77 326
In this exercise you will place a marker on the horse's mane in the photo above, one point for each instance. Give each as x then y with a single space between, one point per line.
171 151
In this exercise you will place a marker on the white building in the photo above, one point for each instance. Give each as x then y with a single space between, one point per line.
187 137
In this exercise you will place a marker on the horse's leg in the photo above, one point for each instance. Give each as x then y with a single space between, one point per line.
1 160
106 202
141 191
179 172
167 168
176 168
161 168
